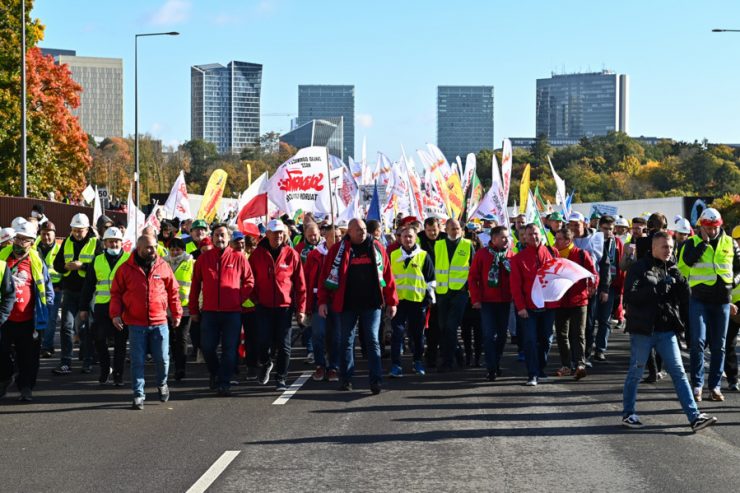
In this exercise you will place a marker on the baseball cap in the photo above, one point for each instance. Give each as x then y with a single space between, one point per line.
199 224
237 235
576 217
276 226
556 216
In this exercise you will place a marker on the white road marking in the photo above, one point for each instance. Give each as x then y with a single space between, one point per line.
213 472
292 389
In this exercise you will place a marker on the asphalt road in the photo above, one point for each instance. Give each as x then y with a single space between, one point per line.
442 432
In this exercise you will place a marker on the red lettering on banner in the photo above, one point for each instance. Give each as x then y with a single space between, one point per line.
297 182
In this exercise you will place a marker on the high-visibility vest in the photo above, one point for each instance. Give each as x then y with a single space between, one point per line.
184 276
736 294
3 265
410 283
680 264
712 263
37 270
190 245
161 250
105 276
452 275
87 254
49 259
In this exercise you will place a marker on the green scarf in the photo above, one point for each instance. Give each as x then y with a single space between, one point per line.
494 273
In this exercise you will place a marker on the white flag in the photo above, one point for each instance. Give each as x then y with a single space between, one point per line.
89 194
506 164
301 183
134 218
257 187
97 208
177 204
554 278
560 194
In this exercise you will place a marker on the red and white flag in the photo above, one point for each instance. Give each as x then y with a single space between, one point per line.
177 204
554 278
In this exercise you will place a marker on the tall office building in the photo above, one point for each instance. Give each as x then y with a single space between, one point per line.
325 102
101 101
225 105
325 132
464 120
572 106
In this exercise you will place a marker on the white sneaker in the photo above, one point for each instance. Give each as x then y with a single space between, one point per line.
532 382
199 358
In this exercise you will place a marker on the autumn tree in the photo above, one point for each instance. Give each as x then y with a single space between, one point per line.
57 148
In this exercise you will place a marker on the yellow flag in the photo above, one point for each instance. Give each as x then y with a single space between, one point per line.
249 175
524 191
212 196
455 195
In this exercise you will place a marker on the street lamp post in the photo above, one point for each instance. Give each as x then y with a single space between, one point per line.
136 112
24 130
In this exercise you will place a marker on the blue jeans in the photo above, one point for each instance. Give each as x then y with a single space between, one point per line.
47 343
451 308
666 344
325 338
494 319
708 319
307 338
274 331
411 316
70 307
154 340
537 340
223 327
369 320
603 313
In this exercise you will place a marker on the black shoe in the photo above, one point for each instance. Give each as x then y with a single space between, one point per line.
26 395
104 375
650 379
46 354
86 368
375 388
702 422
499 372
476 362
179 375
224 392
281 386
599 356
213 382
118 380
491 376
4 386
345 386
62 370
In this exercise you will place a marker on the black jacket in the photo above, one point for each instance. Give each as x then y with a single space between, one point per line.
428 245
657 297
7 294
720 292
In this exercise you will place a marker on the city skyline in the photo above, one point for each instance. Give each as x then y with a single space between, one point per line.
396 82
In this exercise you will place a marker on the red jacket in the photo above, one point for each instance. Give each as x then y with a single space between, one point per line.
577 295
480 291
312 271
280 283
335 298
524 266
142 299
225 278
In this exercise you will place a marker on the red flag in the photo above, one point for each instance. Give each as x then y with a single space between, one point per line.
254 208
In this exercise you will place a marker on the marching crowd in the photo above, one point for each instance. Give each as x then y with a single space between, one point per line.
205 287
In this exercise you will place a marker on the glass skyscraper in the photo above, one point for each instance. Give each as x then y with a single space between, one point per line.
225 105
325 132
327 102
464 120
572 106
101 101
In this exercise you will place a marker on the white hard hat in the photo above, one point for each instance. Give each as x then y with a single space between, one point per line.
6 234
621 222
27 230
112 233
710 217
18 222
682 225
80 220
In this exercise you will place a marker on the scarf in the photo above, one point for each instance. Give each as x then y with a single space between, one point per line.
306 250
332 281
565 252
413 253
494 273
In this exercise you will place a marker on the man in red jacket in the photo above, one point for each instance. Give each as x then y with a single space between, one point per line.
537 321
322 328
142 290
490 292
570 316
224 277
357 282
278 272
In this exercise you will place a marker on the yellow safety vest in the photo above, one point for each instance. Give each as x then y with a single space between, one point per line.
452 275
190 246
50 256
736 294
105 276
712 263
37 270
87 254
410 283
184 276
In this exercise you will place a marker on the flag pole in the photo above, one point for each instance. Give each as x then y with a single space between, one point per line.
328 177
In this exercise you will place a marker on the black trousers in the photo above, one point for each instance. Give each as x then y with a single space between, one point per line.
20 347
730 353
179 342
432 336
472 334
102 329
250 338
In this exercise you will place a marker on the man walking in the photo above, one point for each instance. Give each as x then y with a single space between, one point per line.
48 249
655 291
143 288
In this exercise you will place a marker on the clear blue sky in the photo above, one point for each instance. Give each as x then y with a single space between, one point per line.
683 79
